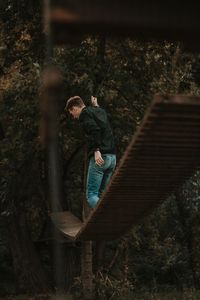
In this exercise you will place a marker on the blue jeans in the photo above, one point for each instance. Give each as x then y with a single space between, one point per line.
98 177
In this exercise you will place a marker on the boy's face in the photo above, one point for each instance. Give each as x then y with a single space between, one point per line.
75 112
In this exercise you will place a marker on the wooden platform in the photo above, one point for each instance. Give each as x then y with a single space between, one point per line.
164 152
67 223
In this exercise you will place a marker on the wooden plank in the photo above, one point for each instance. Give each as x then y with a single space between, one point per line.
175 145
170 135
148 153
176 109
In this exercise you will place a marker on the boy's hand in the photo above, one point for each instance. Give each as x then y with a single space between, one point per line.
98 158
94 101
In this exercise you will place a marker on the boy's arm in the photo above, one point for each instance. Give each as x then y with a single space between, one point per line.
98 158
94 101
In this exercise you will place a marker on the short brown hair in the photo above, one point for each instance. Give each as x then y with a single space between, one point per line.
74 101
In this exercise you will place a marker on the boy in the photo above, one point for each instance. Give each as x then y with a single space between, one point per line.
100 145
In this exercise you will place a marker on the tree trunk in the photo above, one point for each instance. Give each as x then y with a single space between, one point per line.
98 263
72 264
87 257
188 238
86 270
100 72
29 274
196 252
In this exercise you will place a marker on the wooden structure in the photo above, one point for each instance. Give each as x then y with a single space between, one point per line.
164 152
172 20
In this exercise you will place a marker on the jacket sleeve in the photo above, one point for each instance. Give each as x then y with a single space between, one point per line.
92 130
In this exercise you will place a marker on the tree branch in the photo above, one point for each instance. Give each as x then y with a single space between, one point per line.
69 162
125 97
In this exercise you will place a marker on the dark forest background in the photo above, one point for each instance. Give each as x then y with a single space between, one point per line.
162 253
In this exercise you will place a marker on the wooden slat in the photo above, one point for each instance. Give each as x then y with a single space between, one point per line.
155 164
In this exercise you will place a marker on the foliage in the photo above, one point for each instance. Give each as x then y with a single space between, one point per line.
20 185
124 74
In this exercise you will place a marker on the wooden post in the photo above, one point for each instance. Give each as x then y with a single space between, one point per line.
86 254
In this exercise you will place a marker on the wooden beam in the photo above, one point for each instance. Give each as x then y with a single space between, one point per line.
143 19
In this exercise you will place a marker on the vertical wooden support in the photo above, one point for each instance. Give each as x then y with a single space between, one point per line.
86 253
51 93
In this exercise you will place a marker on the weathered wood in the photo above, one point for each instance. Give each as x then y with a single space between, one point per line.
67 223
147 174
173 20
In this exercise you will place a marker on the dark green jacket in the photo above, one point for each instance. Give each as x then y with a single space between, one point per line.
96 126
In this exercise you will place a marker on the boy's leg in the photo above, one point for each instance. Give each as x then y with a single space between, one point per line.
106 178
107 175
94 180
